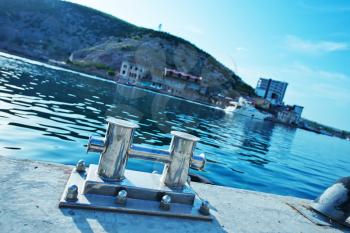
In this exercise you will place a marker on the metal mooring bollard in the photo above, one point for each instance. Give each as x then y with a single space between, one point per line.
116 144
141 189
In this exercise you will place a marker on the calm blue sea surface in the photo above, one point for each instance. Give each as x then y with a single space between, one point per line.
48 114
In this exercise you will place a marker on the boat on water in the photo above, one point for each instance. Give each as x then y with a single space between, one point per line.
245 108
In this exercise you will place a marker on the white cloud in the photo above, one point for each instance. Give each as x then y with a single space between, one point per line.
314 47
317 74
240 49
330 92
317 84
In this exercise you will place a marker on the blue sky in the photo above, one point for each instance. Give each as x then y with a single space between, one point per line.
305 43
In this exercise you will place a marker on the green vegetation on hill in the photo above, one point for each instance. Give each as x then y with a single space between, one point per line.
97 42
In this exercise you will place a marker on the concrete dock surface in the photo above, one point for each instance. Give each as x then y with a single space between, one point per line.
30 192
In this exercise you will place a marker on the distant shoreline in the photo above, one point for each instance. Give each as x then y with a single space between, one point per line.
72 69
68 68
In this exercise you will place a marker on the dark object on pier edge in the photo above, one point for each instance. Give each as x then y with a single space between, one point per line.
199 179
334 202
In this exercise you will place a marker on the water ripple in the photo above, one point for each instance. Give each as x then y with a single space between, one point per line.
48 114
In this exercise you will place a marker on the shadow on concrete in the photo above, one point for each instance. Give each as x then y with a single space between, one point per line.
89 221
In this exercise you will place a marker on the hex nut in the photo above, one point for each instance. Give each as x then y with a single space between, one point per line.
80 167
72 193
204 209
122 197
165 202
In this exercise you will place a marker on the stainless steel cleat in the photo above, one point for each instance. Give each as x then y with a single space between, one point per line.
110 186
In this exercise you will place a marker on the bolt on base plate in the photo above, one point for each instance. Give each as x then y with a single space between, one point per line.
144 195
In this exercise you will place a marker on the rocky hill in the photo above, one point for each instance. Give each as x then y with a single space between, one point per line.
96 42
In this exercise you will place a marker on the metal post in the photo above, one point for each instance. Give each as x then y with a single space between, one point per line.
175 173
114 157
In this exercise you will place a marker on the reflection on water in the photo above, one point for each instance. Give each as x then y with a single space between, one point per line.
49 114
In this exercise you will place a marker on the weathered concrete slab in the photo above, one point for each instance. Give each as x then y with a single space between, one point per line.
30 192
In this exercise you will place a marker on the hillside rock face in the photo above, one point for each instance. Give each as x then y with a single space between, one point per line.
92 41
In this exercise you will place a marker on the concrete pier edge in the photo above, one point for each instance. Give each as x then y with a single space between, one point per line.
30 193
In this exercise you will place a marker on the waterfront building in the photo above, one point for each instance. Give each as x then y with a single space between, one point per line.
271 90
290 114
177 83
169 81
132 73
